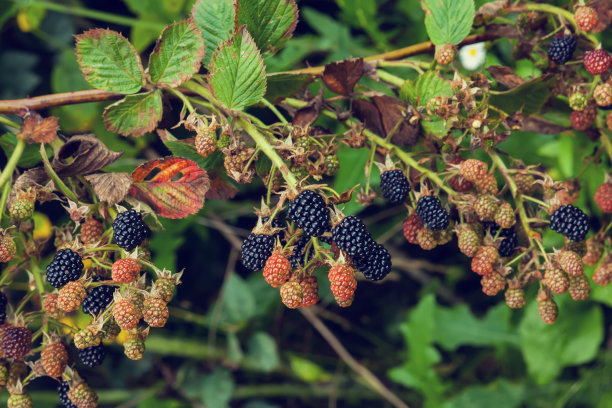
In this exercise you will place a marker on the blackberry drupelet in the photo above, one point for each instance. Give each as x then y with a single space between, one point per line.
430 210
129 230
3 303
298 258
66 266
256 249
352 236
510 241
98 297
62 392
309 213
325 240
394 186
277 222
561 49
92 356
570 221
376 264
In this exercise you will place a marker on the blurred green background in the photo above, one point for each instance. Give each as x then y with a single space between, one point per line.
427 331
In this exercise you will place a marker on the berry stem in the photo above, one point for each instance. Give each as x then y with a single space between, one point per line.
605 140
535 200
40 286
5 193
58 182
274 110
7 172
390 78
183 98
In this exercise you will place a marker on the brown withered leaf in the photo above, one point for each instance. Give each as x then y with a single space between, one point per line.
38 180
604 10
539 125
220 189
502 30
505 76
110 187
35 129
392 113
368 113
490 10
344 197
304 117
88 155
340 77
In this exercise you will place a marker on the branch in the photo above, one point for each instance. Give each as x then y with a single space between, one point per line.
20 106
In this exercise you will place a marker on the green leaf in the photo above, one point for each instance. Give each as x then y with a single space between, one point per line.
30 156
307 370
237 302
500 394
448 21
425 87
177 55
573 339
215 19
528 97
347 177
458 327
270 22
217 388
109 62
237 73
262 351
281 86
134 115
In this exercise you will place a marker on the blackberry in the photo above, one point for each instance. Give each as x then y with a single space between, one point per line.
256 249
62 392
394 186
352 237
129 230
570 221
376 264
92 356
510 241
98 298
66 266
430 210
298 258
309 213
561 49
325 240
3 303
277 222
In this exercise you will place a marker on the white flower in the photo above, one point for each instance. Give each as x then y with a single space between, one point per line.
472 56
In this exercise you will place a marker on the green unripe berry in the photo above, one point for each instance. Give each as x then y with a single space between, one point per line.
21 209
332 164
578 101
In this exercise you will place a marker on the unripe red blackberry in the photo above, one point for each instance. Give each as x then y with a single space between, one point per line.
155 311
125 270
556 280
345 302
586 18
310 291
548 310
487 184
445 54
82 396
582 120
292 294
485 207
8 249
603 197
205 145
71 296
426 239
515 298
309 212
570 221
411 227
570 262
492 283
277 270
50 306
485 258
126 313
579 287
603 94
594 251
578 101
342 281
473 169
597 62
429 209
16 342
91 231
54 358
394 186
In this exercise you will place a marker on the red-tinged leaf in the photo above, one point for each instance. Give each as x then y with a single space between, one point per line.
174 187
220 188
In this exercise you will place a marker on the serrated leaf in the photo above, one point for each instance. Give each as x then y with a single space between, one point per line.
134 115
262 351
424 88
448 21
528 97
238 301
237 73
109 62
177 54
215 19
281 86
270 22
173 187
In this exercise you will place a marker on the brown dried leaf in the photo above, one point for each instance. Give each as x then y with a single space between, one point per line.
220 189
344 197
490 10
392 113
367 112
505 76
502 30
539 125
304 117
340 77
88 155
110 187
35 129
36 179
604 10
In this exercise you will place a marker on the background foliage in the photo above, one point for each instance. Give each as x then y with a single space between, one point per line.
427 331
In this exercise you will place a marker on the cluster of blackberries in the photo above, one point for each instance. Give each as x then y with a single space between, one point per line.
394 186
430 211
92 356
570 221
370 258
66 266
98 297
129 230
561 49
509 235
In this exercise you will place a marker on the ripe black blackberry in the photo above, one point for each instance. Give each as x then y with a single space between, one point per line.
309 213
92 356
3 303
298 258
256 249
570 221
430 211
16 342
62 392
129 230
561 49
376 264
509 241
352 236
394 186
277 222
98 297
66 266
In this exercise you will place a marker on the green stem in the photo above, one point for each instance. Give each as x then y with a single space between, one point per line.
390 78
274 110
5 193
569 16
605 140
6 121
98 15
58 182
267 149
182 98
7 172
